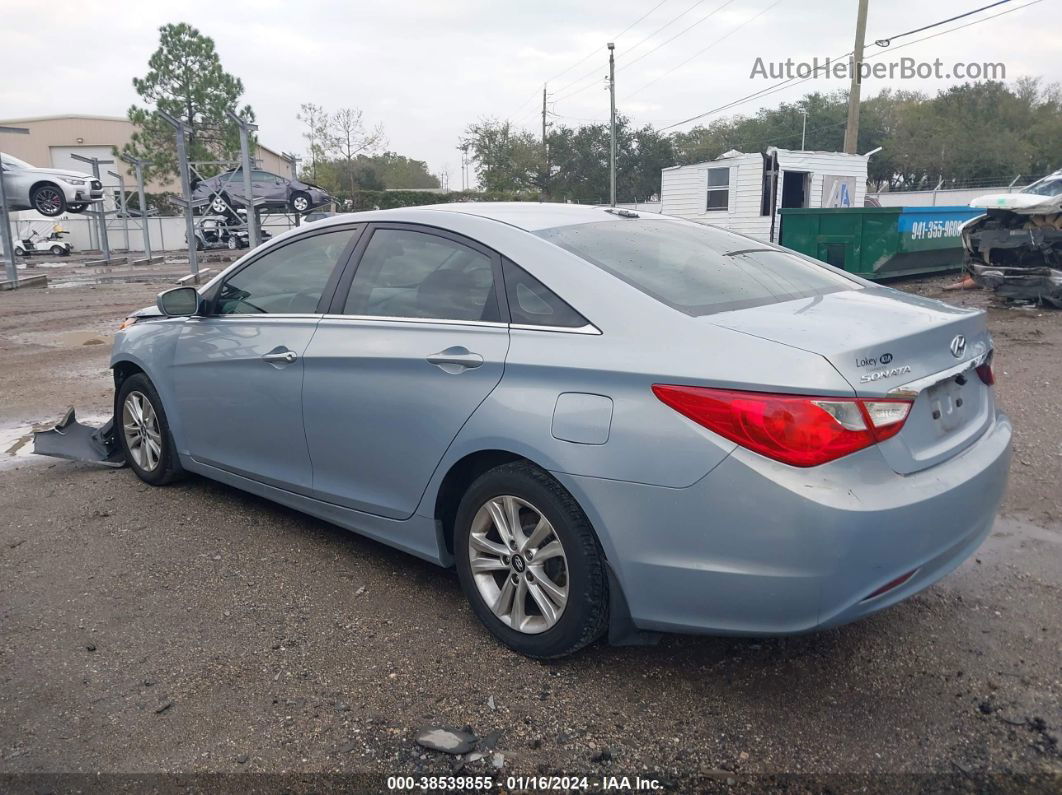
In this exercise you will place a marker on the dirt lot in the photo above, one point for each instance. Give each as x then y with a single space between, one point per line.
198 629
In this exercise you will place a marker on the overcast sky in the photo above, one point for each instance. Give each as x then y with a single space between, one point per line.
426 69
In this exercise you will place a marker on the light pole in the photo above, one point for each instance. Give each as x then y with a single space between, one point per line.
612 124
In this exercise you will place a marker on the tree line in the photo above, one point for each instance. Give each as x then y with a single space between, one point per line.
986 131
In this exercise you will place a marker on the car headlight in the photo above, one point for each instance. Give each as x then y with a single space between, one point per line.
71 181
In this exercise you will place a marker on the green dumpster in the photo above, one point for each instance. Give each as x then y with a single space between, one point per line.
878 242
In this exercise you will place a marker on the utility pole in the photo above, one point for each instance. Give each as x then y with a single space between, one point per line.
612 123
545 149
851 133
803 130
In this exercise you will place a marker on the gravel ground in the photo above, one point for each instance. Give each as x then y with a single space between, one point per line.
198 629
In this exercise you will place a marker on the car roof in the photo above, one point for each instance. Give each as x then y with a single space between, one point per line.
529 216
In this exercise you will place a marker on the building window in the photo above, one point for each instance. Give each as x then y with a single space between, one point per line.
718 189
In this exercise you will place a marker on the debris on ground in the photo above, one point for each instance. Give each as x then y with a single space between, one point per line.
449 741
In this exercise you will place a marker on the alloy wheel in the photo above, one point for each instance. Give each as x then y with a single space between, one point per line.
48 200
140 425
518 564
301 204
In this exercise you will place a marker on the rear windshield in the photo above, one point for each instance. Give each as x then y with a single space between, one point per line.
697 269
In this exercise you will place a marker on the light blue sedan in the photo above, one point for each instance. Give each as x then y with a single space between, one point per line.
609 422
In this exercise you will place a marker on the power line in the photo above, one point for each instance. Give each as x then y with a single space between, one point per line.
703 50
886 42
578 80
586 58
682 32
594 52
790 81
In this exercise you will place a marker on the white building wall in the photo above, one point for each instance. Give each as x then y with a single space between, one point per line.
683 190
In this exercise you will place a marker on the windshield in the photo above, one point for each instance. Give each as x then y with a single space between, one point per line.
11 160
1048 186
697 269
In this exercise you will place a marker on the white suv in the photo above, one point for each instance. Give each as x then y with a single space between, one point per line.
49 191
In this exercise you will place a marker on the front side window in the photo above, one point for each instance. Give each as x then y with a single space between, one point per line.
694 268
718 188
404 273
286 280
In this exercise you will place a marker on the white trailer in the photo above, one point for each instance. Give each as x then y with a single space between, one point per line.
744 191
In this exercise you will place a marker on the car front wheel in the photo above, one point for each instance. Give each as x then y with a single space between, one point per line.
145 433
300 202
529 562
48 200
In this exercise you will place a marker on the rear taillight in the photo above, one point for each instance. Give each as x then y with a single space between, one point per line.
798 430
984 371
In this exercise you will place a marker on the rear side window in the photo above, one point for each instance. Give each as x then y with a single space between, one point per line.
531 303
411 274
286 280
696 269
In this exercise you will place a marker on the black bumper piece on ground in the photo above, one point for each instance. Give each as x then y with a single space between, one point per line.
70 439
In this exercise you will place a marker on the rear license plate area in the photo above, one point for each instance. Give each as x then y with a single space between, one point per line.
948 402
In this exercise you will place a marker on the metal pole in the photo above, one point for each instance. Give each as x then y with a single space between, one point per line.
121 203
803 130
545 149
138 166
851 133
9 245
186 191
5 220
101 217
612 124
248 195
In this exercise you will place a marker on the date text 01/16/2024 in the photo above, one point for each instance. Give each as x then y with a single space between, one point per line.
524 783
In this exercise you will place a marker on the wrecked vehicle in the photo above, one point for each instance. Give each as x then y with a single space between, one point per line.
1015 248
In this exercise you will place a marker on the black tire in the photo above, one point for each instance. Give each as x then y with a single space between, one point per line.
585 615
48 200
220 204
168 468
58 251
298 198
19 251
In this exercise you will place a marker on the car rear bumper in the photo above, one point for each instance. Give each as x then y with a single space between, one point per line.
757 547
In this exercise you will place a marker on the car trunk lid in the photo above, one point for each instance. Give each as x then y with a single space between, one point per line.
888 343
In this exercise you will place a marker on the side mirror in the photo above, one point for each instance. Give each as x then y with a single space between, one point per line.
178 302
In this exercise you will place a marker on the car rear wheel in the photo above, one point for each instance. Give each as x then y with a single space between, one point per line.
58 251
145 433
529 562
48 200
300 202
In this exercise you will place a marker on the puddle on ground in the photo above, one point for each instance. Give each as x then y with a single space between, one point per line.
16 440
66 339
93 281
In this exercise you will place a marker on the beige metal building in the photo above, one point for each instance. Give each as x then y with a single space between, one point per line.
52 139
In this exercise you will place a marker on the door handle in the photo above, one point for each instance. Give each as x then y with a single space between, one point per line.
280 357
455 359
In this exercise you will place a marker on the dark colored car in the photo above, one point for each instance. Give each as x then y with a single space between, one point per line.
225 192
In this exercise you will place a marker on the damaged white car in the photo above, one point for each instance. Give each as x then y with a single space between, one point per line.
1015 248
